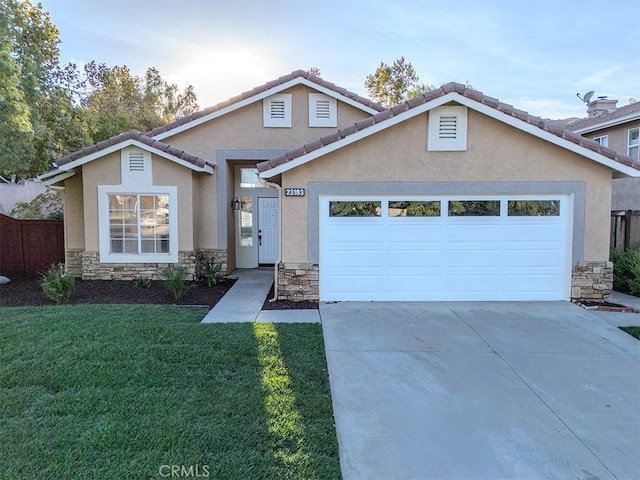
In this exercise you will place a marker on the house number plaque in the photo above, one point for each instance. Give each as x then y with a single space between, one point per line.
294 192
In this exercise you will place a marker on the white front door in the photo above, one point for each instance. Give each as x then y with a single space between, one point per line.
267 230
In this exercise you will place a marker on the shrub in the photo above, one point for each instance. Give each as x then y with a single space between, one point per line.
56 284
174 279
626 270
143 282
211 273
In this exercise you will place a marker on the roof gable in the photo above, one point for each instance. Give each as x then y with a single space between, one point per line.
131 138
298 77
458 93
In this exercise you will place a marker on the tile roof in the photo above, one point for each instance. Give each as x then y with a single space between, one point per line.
262 88
605 118
135 135
432 95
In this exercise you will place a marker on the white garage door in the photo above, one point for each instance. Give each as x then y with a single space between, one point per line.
445 248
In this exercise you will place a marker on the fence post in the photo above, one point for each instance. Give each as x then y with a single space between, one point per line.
627 229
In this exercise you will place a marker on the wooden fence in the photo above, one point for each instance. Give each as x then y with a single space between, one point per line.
625 229
28 247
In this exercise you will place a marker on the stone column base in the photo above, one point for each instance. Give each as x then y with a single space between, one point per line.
591 281
298 282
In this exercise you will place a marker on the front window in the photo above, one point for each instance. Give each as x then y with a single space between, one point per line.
138 224
633 143
249 178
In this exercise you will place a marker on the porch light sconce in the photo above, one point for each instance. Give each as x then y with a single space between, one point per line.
235 203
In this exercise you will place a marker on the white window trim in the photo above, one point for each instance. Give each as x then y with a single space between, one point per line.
270 122
314 121
103 224
457 144
633 145
603 140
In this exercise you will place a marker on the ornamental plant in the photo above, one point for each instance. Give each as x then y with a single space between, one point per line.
174 279
56 284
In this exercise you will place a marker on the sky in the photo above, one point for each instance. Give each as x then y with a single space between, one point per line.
533 54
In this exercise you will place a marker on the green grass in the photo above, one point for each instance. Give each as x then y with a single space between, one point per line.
115 392
633 331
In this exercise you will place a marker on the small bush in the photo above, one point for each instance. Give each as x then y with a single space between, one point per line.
626 270
143 282
174 279
211 273
57 285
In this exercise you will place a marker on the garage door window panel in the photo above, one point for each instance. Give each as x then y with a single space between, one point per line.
533 208
414 209
355 209
474 208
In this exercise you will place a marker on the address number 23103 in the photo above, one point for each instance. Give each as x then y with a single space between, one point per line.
294 192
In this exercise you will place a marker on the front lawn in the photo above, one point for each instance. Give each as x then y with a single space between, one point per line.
633 331
115 392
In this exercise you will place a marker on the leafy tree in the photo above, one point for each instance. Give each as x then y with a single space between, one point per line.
392 84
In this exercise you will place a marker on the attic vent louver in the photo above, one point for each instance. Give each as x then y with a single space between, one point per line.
323 109
277 109
448 127
136 162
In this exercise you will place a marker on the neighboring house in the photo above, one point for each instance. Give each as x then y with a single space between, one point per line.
618 129
449 196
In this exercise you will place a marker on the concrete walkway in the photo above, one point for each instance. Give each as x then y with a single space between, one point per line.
622 319
482 390
243 302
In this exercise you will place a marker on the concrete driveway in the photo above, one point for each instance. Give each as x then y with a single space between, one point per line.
485 390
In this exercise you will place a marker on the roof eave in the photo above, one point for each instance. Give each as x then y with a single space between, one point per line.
55 176
473 104
608 124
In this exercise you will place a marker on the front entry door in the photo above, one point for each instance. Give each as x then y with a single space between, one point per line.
267 230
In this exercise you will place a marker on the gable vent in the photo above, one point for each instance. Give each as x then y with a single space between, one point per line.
136 162
277 109
323 109
448 127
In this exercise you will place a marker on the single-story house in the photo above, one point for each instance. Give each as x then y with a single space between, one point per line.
452 195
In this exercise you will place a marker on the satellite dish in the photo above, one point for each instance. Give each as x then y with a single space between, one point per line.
587 96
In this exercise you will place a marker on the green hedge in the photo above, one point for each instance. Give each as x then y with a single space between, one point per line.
626 270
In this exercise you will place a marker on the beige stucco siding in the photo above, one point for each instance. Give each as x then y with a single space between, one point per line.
495 152
618 136
73 212
105 171
169 173
243 129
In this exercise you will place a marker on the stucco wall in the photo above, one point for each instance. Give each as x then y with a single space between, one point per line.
243 129
73 212
495 152
618 136
105 171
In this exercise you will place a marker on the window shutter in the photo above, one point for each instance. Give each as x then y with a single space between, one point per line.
448 127
136 162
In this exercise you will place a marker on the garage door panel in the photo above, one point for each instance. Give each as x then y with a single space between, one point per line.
445 258
469 258
353 258
531 233
410 258
532 258
481 233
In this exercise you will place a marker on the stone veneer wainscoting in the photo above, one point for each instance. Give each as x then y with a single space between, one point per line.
591 281
298 281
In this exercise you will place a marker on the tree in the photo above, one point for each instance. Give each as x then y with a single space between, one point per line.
390 85
16 131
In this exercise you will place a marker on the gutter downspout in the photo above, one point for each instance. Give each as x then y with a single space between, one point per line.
279 259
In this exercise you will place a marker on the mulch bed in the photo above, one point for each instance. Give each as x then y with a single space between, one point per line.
28 292
286 304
